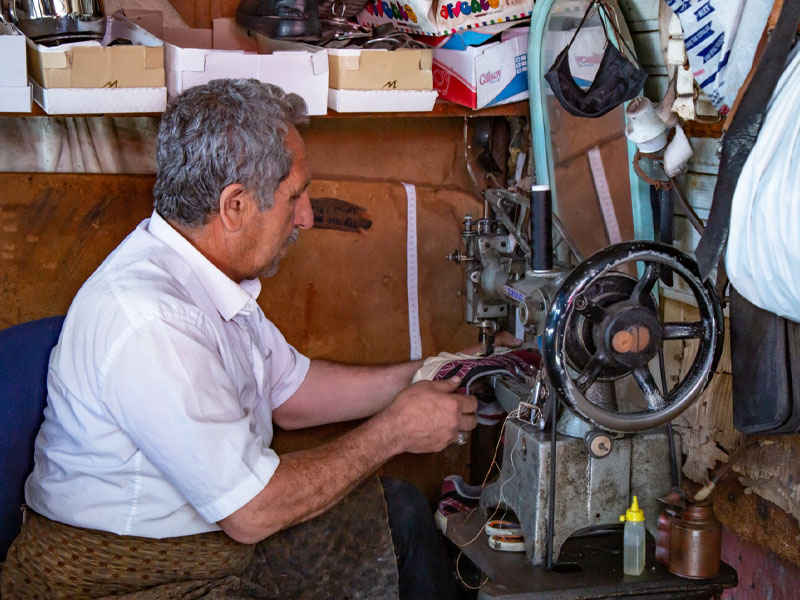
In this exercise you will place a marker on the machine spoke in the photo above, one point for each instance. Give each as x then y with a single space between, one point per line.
643 377
590 373
645 285
594 312
683 331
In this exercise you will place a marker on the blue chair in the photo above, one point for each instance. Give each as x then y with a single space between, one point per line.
24 355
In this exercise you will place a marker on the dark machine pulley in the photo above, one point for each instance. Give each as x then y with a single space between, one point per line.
604 324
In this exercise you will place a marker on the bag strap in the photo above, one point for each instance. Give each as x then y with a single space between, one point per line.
580 25
609 16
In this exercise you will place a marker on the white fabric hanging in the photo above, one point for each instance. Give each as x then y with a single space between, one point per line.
78 144
763 255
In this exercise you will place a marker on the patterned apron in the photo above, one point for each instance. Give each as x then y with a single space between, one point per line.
346 552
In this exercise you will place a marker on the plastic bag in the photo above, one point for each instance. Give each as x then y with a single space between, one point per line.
721 37
763 255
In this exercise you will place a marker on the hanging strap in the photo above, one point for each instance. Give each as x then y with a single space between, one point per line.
601 6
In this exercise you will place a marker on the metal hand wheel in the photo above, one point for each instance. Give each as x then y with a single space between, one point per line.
604 324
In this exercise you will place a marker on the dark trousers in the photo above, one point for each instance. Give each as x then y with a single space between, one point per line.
421 558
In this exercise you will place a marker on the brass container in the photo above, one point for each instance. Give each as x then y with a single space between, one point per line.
695 543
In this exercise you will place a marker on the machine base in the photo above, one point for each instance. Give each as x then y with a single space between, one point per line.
589 491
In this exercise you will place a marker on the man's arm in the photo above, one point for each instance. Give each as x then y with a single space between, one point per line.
425 417
333 392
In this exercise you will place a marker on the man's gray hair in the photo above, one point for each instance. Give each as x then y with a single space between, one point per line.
211 136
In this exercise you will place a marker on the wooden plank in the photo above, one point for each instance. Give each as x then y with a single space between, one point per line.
420 150
655 87
442 108
648 49
577 199
637 11
772 472
194 12
572 136
698 189
705 158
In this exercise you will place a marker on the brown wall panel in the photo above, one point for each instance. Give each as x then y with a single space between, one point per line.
343 295
418 150
578 206
55 230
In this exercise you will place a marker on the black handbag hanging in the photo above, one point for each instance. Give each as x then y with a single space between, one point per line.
617 79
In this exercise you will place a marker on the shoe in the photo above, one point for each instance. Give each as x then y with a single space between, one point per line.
457 496
490 413
295 20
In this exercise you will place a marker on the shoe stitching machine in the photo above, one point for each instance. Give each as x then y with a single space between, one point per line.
596 405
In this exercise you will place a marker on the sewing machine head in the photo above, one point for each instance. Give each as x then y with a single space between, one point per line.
598 319
599 325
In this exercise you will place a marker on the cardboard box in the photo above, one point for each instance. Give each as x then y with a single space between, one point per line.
196 56
465 39
443 17
15 93
89 65
381 100
13 72
94 101
365 69
17 99
487 75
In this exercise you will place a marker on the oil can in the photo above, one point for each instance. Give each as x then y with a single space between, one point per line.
695 543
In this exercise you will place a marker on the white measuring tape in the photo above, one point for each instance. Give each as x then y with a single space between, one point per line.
604 196
415 341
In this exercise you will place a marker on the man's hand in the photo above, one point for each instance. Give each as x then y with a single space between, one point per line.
427 416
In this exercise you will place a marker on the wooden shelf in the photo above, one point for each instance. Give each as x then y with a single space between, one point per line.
442 108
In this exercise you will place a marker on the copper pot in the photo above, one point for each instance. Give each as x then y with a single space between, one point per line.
695 543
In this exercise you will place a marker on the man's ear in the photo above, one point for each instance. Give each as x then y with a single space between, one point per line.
235 204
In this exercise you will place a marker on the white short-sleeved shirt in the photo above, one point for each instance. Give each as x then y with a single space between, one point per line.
160 394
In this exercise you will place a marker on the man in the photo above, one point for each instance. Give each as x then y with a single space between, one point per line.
166 382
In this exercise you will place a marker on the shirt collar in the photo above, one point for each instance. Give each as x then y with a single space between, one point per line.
229 298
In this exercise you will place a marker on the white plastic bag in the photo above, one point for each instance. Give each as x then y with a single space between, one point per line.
763 255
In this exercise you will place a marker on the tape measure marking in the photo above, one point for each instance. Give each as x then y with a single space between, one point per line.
604 196
415 341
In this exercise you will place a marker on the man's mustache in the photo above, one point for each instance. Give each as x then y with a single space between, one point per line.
292 237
